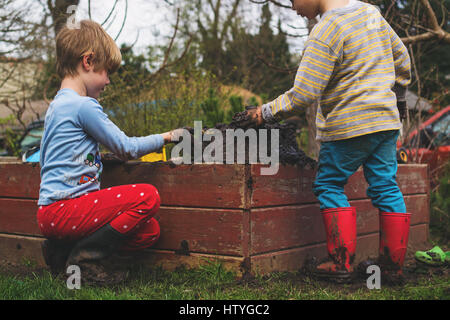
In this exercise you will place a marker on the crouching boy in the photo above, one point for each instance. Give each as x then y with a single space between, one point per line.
85 225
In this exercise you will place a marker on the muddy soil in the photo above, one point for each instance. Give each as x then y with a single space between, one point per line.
20 270
413 273
289 151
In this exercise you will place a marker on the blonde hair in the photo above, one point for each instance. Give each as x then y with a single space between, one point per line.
72 44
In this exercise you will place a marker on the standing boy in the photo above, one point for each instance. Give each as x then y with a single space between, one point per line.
72 208
357 68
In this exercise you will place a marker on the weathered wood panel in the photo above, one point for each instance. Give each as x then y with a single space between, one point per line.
21 249
229 212
216 231
223 231
169 260
216 186
18 216
213 186
19 180
278 228
292 185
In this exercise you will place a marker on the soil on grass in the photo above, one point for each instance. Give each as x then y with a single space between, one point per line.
413 273
20 270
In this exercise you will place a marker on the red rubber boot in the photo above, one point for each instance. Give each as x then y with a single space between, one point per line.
394 232
340 227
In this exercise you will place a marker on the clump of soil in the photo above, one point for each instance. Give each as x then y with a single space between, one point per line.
289 151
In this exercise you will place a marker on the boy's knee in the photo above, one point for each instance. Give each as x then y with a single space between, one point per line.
383 186
148 234
153 229
151 198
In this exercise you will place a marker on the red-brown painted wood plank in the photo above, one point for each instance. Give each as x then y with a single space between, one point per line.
19 180
19 216
292 185
169 260
224 231
218 186
285 227
215 231
21 249
205 185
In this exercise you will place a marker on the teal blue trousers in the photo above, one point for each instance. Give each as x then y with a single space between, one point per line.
376 153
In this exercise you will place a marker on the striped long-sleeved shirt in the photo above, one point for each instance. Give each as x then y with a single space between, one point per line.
356 67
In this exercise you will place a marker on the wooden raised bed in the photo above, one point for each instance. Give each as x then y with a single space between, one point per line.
228 212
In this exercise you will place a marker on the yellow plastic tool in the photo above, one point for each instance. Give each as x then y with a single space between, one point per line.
155 156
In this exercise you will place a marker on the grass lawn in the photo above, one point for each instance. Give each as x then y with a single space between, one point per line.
212 282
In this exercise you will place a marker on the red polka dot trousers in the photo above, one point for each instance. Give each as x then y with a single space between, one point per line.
129 209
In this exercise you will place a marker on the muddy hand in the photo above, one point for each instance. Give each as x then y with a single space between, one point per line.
174 135
251 117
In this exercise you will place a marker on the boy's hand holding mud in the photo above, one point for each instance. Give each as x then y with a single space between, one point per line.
172 136
251 117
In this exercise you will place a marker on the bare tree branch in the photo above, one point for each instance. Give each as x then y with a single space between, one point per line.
165 64
293 35
17 110
436 31
229 19
124 19
110 13
172 39
271 1
280 69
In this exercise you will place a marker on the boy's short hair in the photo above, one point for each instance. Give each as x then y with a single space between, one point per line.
89 38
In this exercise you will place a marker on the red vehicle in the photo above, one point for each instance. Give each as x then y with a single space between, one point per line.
430 144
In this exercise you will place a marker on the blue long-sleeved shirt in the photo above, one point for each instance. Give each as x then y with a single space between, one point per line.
70 157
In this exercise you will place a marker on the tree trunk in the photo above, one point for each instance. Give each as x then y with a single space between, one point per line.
58 10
